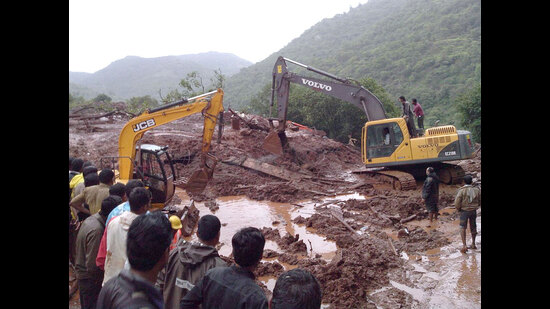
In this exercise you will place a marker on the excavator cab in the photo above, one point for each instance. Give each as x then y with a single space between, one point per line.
155 169
384 141
152 163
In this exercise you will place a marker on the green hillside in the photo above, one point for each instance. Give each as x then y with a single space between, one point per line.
426 49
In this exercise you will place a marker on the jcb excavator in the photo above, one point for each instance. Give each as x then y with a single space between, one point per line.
153 164
387 148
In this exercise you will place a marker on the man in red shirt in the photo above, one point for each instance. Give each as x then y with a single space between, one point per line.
419 113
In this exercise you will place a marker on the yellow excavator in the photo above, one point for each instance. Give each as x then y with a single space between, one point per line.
153 164
387 148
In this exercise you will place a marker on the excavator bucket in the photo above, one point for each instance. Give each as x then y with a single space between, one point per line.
200 178
276 142
272 143
197 182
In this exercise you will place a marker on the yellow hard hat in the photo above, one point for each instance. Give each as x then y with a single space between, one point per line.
175 222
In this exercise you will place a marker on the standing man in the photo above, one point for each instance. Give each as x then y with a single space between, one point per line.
407 113
148 248
88 274
117 231
75 175
189 262
94 195
124 206
234 286
430 193
467 201
419 113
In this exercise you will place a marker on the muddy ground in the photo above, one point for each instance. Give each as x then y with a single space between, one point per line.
384 263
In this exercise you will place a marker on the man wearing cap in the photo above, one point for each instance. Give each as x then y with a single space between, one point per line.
175 222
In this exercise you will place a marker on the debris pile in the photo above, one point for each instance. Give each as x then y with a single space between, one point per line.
317 167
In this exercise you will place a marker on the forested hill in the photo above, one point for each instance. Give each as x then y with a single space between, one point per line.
136 76
427 49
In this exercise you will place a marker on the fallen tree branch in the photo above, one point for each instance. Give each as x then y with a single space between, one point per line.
82 117
409 218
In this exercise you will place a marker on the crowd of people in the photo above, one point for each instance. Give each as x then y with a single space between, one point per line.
127 256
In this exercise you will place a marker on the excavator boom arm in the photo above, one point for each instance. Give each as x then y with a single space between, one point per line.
210 104
344 89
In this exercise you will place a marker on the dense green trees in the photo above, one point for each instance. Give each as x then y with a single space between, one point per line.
469 107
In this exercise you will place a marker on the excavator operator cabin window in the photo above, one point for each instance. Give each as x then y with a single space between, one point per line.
151 166
165 159
154 177
383 139
397 134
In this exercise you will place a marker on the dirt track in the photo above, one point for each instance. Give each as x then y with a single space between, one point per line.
389 265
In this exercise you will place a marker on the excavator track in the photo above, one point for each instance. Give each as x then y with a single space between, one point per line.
450 174
398 179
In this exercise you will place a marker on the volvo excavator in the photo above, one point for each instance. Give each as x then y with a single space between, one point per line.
387 147
153 164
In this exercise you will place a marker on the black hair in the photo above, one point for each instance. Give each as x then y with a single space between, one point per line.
131 184
138 198
89 169
76 164
248 246
413 100
91 180
430 169
109 203
402 97
208 228
296 289
468 179
118 189
148 237
106 175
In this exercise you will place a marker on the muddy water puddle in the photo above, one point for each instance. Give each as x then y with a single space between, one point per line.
236 212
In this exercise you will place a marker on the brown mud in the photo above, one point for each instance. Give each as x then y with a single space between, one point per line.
387 262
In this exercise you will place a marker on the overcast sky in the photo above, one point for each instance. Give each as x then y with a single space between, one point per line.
103 31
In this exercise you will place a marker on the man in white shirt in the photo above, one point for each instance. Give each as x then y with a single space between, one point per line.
117 230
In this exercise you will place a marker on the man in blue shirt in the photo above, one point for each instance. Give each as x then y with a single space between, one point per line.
125 206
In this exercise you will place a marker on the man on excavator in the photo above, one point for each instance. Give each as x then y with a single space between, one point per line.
408 115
